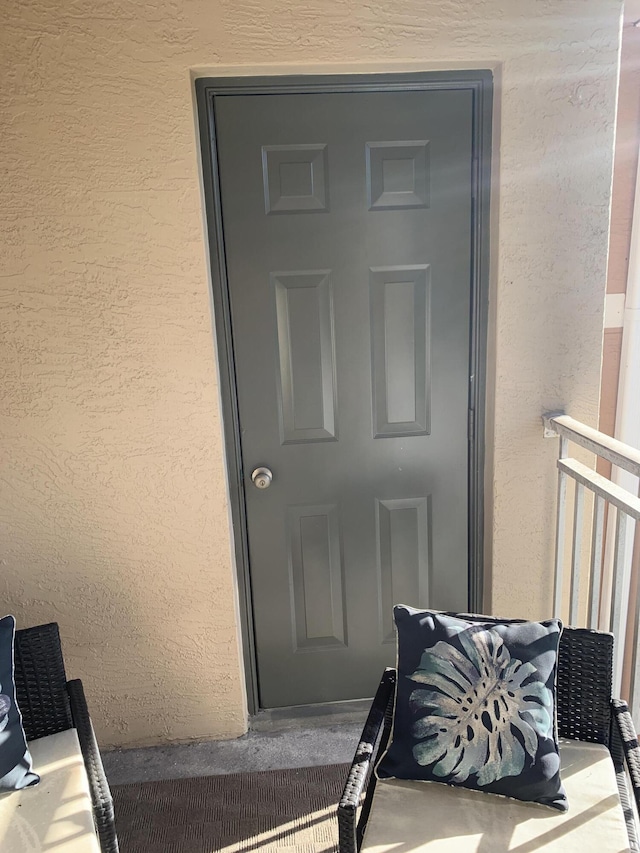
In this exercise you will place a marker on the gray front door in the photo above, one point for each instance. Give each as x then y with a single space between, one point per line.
347 222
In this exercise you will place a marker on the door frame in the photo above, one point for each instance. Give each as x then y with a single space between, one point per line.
208 90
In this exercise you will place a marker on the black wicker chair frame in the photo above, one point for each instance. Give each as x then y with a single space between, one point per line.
585 710
50 704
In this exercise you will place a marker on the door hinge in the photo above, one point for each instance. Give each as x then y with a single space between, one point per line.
471 424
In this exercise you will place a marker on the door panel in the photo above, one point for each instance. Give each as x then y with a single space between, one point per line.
317 581
401 341
306 380
403 539
347 229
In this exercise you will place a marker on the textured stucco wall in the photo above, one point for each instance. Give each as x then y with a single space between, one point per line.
113 498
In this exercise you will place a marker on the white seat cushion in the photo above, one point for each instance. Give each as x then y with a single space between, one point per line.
436 818
55 815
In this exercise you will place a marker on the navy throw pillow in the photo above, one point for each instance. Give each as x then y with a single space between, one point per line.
15 760
475 705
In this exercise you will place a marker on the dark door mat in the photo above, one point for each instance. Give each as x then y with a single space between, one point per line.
291 810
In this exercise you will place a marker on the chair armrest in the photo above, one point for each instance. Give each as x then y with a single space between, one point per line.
625 752
349 830
101 799
630 745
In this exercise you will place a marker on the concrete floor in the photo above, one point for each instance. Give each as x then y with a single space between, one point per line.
276 744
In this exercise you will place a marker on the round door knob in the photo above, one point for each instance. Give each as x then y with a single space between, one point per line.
262 478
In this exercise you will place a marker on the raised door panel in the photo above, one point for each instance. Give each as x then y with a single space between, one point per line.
316 581
400 350
295 178
397 175
306 374
403 528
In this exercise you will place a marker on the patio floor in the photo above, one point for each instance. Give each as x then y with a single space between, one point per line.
277 741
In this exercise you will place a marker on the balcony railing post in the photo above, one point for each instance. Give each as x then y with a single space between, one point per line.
597 542
576 552
560 530
619 598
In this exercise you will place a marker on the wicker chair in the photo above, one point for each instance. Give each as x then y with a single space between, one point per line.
50 704
585 709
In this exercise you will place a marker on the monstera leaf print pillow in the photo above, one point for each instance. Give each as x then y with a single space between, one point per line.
15 759
475 705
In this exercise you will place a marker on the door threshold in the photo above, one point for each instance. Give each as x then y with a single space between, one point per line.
303 716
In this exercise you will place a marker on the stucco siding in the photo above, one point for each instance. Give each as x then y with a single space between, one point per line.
113 494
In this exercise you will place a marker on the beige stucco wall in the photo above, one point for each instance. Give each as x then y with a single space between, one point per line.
113 495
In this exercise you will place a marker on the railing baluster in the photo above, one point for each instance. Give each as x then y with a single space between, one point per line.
613 596
560 530
578 512
618 608
597 542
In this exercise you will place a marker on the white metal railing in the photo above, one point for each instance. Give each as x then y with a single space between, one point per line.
607 573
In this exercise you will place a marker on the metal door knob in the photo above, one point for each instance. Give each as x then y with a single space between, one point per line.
262 478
